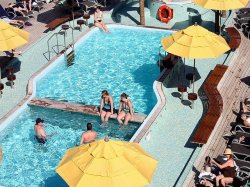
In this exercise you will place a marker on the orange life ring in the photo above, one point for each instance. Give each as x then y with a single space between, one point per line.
165 13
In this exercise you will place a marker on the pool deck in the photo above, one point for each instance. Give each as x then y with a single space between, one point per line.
234 87
231 88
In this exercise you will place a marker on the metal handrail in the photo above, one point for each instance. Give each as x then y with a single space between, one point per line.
57 42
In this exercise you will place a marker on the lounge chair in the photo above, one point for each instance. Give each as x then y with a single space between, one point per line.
16 23
247 31
243 16
242 22
243 11
11 15
242 128
241 152
86 5
239 134
37 5
242 178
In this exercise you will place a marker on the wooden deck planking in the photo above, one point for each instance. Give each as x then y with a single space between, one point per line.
232 91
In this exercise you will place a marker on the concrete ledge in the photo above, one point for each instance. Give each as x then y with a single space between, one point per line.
145 127
73 107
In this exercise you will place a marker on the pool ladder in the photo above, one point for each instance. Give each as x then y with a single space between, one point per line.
68 51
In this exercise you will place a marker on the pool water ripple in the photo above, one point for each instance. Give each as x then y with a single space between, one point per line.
122 61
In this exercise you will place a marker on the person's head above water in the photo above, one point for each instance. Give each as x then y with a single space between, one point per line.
39 120
89 126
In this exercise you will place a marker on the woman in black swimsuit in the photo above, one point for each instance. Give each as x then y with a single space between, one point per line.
99 21
106 106
228 169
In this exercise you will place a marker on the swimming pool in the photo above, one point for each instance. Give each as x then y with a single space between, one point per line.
122 61
27 163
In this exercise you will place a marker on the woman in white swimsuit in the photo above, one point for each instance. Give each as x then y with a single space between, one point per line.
99 21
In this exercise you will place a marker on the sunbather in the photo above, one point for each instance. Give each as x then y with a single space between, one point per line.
28 4
17 8
244 140
228 169
18 23
246 120
246 106
207 169
99 20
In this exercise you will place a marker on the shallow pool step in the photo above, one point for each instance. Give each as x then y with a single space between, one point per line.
86 109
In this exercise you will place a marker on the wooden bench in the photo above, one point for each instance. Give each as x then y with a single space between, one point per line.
235 38
56 22
209 120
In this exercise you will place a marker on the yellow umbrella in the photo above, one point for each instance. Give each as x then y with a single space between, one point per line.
11 37
195 42
107 163
221 5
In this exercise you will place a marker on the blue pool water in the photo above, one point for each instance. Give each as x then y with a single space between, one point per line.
26 163
122 61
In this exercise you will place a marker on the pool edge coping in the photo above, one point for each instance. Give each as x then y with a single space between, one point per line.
30 92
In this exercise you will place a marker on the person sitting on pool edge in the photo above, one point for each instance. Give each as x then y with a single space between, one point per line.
88 136
106 106
125 110
99 20
41 136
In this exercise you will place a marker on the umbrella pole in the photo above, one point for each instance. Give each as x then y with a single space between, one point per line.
217 14
184 74
219 22
193 75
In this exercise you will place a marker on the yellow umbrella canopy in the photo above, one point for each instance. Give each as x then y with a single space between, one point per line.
11 37
221 4
195 42
108 164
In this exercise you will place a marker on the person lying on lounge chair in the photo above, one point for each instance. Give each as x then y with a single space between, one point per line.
17 23
227 169
246 120
246 106
244 140
17 8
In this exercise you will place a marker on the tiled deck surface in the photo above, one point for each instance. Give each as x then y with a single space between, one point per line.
31 63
